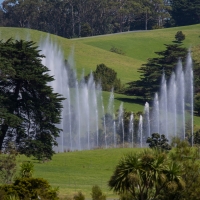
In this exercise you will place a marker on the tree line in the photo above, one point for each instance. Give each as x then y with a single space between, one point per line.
80 18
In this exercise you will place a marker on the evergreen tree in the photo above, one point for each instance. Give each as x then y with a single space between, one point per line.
179 36
107 77
151 72
29 108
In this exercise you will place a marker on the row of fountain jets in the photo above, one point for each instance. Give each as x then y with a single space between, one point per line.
88 124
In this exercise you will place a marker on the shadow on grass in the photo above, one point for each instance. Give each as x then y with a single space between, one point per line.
130 100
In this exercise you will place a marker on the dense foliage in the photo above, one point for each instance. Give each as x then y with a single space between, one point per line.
179 36
29 108
152 71
158 175
75 18
188 157
147 175
185 12
8 164
158 141
24 186
107 77
29 188
97 193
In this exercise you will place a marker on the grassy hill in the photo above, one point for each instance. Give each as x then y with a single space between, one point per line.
137 46
80 170
142 45
75 171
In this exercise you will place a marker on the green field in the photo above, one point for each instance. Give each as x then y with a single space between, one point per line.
80 170
90 51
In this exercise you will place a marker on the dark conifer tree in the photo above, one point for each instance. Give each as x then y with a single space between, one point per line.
151 72
29 107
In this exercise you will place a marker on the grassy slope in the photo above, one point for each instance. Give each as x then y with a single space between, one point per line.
80 170
142 45
76 171
138 47
86 57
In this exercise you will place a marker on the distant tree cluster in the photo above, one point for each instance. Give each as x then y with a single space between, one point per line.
80 18
184 12
107 77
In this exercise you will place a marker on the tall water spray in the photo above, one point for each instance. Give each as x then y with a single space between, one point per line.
131 129
140 131
86 124
173 107
121 121
189 90
146 120
80 114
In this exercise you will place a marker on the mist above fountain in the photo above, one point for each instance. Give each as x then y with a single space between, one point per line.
88 124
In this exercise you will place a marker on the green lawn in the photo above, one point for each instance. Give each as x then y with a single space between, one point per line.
143 44
75 171
86 57
90 51
80 170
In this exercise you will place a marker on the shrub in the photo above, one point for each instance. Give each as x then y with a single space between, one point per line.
158 141
8 164
126 196
117 50
97 193
107 77
179 36
79 196
11 197
26 169
30 188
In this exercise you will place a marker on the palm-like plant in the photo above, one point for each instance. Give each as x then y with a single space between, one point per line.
146 175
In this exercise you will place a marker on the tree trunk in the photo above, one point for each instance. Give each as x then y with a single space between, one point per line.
4 129
72 20
79 27
146 20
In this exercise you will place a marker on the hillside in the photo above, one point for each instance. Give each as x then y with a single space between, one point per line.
141 45
80 170
137 46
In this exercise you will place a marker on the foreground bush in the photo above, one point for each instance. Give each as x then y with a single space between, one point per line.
147 175
79 196
29 188
97 194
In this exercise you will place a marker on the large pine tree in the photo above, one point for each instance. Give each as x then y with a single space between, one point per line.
151 72
29 110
